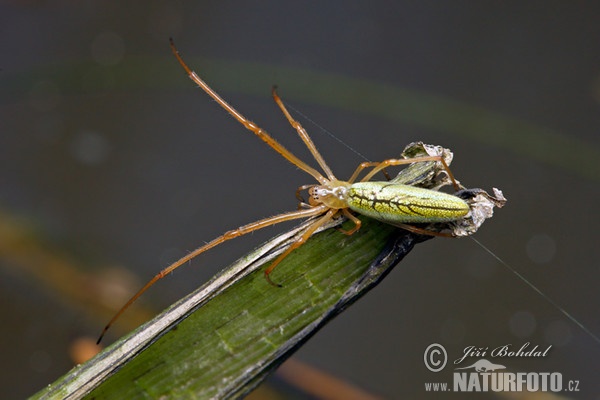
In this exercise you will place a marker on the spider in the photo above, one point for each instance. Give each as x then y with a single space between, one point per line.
329 198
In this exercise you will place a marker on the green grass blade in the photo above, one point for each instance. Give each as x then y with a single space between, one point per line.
226 343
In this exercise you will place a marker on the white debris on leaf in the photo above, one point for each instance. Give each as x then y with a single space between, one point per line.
482 207
429 174
435 150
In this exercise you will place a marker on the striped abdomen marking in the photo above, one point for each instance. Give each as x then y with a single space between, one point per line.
404 204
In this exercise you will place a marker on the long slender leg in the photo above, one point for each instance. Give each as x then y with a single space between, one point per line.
299 242
251 227
378 166
357 222
422 231
303 135
257 130
393 162
358 170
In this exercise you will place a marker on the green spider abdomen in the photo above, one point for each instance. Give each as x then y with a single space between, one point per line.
396 203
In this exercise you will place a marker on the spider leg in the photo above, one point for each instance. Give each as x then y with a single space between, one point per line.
243 230
351 217
251 126
378 166
299 242
303 135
